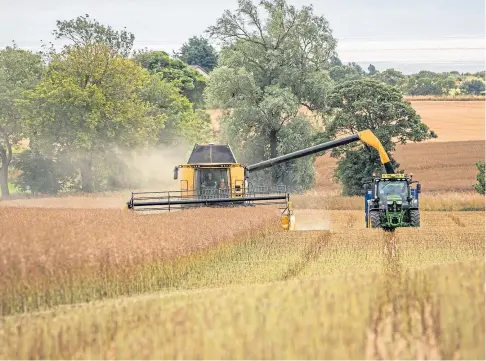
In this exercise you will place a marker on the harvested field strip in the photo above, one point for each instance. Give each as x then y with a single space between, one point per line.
456 98
453 120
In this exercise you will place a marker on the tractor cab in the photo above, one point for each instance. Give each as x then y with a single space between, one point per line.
391 202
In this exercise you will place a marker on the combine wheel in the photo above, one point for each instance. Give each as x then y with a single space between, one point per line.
415 218
375 219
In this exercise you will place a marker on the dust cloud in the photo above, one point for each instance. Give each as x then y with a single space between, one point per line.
153 169
312 220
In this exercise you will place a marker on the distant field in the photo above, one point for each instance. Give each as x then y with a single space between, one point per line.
445 98
440 166
453 120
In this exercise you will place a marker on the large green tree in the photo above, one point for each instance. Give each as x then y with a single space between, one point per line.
430 83
198 51
20 70
177 91
368 104
89 102
269 66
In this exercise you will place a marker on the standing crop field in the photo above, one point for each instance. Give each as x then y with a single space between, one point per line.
343 292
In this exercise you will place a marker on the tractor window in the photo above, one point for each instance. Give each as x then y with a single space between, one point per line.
392 188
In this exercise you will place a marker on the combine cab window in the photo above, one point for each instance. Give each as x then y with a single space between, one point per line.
212 181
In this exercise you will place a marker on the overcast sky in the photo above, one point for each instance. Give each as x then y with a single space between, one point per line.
409 35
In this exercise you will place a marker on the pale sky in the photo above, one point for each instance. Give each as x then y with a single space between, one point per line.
410 35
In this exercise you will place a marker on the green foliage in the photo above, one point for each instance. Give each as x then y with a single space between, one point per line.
474 87
430 83
190 83
198 51
175 90
479 187
42 174
367 104
84 31
391 77
372 70
20 70
344 73
90 101
269 67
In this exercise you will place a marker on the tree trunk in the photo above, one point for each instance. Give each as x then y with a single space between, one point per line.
4 177
273 154
87 174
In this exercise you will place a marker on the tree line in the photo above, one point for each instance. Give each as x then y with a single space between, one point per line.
82 106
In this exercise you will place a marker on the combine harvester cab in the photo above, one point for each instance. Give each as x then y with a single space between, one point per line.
391 202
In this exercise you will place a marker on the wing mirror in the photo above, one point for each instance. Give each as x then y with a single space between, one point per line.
366 188
176 172
419 188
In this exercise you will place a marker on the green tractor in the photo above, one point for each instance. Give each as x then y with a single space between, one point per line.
391 202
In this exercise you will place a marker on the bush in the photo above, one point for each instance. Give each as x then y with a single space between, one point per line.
479 187
40 174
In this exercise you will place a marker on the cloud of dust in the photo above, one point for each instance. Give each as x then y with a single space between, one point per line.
153 169
312 220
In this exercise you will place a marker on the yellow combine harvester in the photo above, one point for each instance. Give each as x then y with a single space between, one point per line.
213 177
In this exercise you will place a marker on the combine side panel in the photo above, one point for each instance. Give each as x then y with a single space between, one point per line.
187 182
368 196
237 174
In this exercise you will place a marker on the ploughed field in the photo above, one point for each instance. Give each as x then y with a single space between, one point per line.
229 283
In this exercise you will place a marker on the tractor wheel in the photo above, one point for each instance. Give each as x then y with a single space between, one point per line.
375 219
415 218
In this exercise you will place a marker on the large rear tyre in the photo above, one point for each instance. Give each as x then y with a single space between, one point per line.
375 219
415 218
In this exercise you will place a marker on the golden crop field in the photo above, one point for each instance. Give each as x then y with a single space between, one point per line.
82 279
338 292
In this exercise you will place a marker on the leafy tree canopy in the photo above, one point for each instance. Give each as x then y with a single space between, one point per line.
83 31
198 51
367 104
190 83
20 70
269 66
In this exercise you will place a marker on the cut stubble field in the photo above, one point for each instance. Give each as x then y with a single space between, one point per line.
242 289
